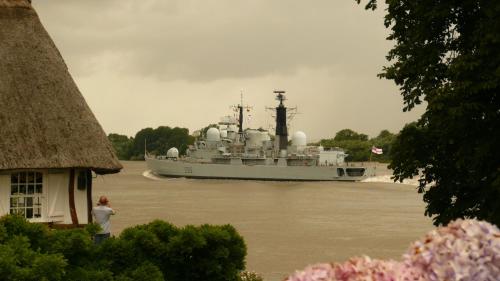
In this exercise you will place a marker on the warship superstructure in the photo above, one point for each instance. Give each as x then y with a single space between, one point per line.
230 152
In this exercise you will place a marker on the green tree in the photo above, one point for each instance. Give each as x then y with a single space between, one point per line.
384 140
142 139
446 53
356 145
349 135
157 141
122 145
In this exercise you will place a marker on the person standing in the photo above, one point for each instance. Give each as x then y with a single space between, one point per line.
102 213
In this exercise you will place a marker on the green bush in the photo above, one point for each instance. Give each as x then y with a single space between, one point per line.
75 245
151 252
12 226
18 261
210 252
145 272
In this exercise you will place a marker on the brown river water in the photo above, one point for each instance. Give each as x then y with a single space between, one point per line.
286 225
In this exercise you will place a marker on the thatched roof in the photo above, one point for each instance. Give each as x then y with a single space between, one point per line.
44 119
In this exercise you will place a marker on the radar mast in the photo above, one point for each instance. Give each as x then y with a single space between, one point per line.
281 127
239 108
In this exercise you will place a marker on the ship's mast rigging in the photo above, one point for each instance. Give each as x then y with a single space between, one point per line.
239 108
281 128
290 111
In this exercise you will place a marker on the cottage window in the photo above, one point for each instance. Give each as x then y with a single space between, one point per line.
26 190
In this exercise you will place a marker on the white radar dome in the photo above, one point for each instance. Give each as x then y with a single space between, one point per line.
173 153
299 139
213 134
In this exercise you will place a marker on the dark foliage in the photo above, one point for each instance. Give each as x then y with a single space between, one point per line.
151 252
447 54
122 145
157 141
348 134
358 146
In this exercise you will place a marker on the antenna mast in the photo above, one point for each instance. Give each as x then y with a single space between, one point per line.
239 108
290 112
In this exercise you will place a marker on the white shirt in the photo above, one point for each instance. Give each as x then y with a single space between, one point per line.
101 215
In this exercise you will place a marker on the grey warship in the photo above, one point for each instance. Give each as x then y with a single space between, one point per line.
230 152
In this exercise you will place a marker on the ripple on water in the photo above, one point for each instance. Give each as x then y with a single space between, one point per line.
387 179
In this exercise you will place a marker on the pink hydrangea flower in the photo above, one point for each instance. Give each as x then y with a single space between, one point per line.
355 269
465 250
365 268
317 272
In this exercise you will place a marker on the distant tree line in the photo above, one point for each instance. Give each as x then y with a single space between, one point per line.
159 140
359 146
156 141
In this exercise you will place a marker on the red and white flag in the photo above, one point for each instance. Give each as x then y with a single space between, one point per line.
376 150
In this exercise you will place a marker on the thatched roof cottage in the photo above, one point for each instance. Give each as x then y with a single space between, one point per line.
49 139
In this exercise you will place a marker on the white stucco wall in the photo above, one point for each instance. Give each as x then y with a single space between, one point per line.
4 194
58 200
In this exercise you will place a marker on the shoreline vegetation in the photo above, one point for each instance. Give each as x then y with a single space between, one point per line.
158 141
149 252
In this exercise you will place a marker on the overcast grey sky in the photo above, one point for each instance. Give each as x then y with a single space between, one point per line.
184 62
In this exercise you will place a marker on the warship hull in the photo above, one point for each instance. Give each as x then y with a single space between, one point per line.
179 168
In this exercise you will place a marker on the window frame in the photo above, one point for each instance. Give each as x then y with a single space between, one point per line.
23 192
